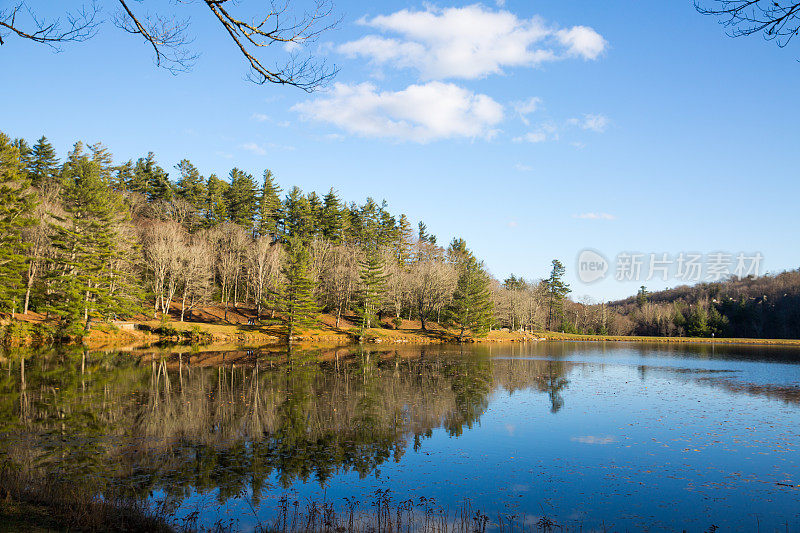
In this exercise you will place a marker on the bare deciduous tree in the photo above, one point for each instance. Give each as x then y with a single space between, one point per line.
196 264
166 31
264 262
162 246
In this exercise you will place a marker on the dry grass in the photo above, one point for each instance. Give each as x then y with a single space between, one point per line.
32 503
552 335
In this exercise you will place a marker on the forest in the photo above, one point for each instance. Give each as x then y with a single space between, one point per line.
88 239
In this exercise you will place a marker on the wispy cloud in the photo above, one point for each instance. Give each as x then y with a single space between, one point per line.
596 123
260 117
531 137
255 148
523 168
594 439
526 107
595 216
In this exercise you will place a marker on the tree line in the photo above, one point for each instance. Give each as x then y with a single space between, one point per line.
89 240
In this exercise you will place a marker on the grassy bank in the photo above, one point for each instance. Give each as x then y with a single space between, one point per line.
238 327
556 336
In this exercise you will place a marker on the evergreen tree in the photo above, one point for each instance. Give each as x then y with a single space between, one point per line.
373 283
123 176
191 185
388 230
404 242
16 206
87 283
641 296
297 301
332 217
150 179
556 291
269 207
241 198
25 153
471 308
296 210
314 214
216 209
43 166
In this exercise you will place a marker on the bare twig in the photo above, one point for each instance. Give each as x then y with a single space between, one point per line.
79 25
168 35
777 19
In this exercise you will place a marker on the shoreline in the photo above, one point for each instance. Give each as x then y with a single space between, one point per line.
19 333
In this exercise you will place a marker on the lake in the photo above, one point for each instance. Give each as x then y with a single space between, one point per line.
585 436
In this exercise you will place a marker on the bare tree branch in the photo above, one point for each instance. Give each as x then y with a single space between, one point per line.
779 20
267 30
80 25
168 35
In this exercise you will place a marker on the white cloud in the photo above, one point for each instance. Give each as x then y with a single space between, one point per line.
513 223
420 113
523 168
291 46
469 42
594 439
597 123
255 148
526 107
261 117
532 137
582 41
595 216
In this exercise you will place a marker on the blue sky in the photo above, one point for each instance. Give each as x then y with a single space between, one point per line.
533 130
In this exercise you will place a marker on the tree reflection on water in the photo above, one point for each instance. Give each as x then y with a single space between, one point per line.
165 423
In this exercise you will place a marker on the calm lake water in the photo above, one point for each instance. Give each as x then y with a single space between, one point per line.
615 435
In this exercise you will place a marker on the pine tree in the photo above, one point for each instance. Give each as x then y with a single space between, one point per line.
241 198
150 179
16 206
269 207
472 306
43 167
216 210
88 282
298 304
373 281
314 214
556 291
191 186
296 210
332 218
123 176
404 241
